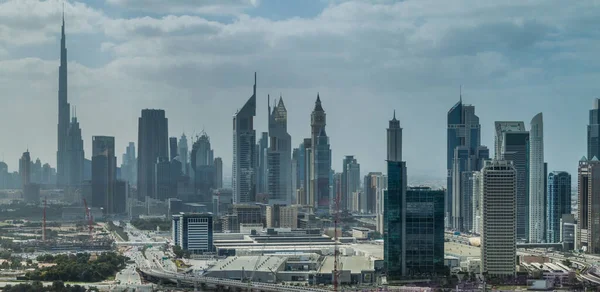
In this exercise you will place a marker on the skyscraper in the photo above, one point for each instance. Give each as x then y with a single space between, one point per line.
537 217
320 159
499 246
75 154
279 155
244 160
464 154
104 173
395 200
593 131
152 144
559 203
218 172
394 140
350 181
588 204
261 165
173 150
129 165
373 184
203 168
512 144
25 169
63 112
183 154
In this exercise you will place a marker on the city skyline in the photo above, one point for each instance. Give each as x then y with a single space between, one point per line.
90 61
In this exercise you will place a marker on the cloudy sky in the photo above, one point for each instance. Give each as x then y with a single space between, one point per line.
196 60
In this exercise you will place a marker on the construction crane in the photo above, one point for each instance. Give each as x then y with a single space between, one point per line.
44 222
89 218
336 253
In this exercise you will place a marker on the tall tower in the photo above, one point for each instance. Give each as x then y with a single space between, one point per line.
244 151
319 180
75 154
537 177
202 164
559 203
499 246
104 173
394 140
279 154
25 168
588 221
183 153
593 131
173 150
63 113
464 154
152 144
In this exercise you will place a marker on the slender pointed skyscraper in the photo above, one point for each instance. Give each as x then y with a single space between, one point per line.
320 160
63 113
279 155
244 148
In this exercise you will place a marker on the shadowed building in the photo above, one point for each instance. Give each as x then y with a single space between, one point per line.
279 173
63 113
74 154
320 159
244 152
152 143
559 203
202 163
104 173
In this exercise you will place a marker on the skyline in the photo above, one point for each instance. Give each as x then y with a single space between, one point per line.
40 122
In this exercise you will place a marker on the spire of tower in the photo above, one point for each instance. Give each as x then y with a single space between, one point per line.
254 83
394 114
460 93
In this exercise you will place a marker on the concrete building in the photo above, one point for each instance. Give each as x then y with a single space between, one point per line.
593 131
464 153
152 144
477 185
512 144
537 177
173 150
203 168
350 181
373 185
588 221
25 169
558 203
104 173
244 152
164 188
498 249
193 232
279 155
183 154
218 173
261 165
320 160
568 232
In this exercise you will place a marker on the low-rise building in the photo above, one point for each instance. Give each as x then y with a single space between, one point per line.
193 232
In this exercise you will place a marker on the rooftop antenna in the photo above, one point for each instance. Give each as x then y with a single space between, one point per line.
460 92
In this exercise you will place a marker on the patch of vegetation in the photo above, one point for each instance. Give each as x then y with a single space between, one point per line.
78 268
118 229
151 224
180 253
57 286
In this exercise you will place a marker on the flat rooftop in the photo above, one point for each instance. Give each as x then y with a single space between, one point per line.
356 264
264 263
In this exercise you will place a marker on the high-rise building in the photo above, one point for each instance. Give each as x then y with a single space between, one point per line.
394 221
104 173
193 232
537 217
464 154
25 168
74 154
129 165
373 183
304 174
320 159
279 155
152 143
477 185
244 148
588 204
202 165
120 198
350 181
559 203
63 112
163 183
593 131
218 173
183 154
173 150
512 144
261 164
499 246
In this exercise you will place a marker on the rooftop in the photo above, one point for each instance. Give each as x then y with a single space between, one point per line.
264 263
356 264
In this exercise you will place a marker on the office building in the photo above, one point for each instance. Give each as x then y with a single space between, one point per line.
202 166
350 181
588 205
164 188
152 144
373 183
477 185
568 232
64 112
129 165
559 203
463 154
593 131
218 163
281 216
25 169
512 144
120 198
279 155
173 149
498 247
74 155
193 232
104 173
537 194
320 159
304 174
183 154
244 152
261 165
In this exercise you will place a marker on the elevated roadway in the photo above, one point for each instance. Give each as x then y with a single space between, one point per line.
195 280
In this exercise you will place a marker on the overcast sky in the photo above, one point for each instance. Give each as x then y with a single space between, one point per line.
196 60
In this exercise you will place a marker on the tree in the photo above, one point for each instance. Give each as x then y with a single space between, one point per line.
567 263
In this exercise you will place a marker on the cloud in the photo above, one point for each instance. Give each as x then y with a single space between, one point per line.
211 7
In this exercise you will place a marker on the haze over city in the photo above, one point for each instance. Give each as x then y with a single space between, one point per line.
196 60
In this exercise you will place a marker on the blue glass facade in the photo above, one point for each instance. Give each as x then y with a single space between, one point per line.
394 227
558 202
